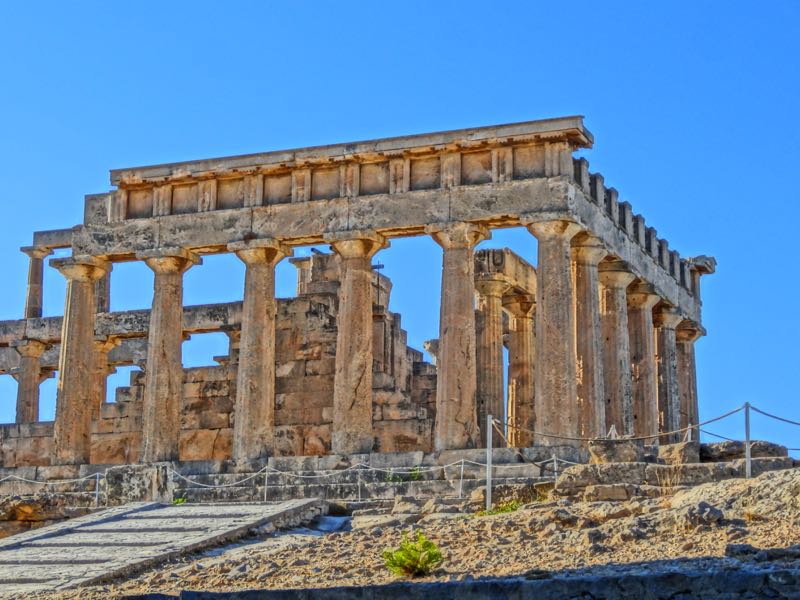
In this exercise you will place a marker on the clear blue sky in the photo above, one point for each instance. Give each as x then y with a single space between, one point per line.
692 105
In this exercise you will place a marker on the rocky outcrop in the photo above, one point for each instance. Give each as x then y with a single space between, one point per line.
21 513
731 450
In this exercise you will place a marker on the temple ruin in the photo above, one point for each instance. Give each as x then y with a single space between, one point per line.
600 333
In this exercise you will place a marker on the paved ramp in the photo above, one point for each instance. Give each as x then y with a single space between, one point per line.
126 539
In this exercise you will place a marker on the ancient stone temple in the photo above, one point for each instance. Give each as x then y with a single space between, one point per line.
600 333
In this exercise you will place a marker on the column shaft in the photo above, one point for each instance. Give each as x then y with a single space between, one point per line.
666 320
163 384
686 336
521 371
34 295
456 412
29 377
556 392
587 253
101 371
72 429
615 280
641 299
352 386
489 350
254 411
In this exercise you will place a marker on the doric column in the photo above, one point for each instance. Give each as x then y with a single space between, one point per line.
163 382
28 376
489 349
254 411
521 369
102 292
666 319
686 335
101 370
72 429
556 393
352 385
587 252
641 300
615 279
456 413
33 298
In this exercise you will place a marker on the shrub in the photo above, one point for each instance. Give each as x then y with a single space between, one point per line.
415 474
179 500
414 558
499 509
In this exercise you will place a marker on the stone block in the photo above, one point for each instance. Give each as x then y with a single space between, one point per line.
205 444
680 453
725 451
139 483
620 450
579 477
609 492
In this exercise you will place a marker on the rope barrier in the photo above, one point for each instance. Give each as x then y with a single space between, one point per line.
777 418
56 482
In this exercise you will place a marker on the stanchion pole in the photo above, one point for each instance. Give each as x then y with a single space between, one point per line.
461 481
266 483
555 466
358 472
748 464
97 489
489 424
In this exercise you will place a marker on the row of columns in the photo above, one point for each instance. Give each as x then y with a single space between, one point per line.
579 387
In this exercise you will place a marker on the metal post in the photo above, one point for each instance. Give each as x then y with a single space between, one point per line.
555 466
489 423
461 481
358 472
97 489
748 463
266 482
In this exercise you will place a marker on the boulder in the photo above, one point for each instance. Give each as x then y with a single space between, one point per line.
702 514
680 453
727 451
620 450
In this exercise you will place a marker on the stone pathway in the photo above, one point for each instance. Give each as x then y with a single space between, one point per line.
123 540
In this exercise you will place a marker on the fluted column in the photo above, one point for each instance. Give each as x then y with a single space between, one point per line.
521 369
254 410
101 370
456 413
686 335
615 279
556 392
72 429
352 385
666 319
641 300
587 252
28 376
489 349
163 383
34 295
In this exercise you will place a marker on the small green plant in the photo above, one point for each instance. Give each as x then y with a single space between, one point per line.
393 478
179 500
500 508
415 474
414 558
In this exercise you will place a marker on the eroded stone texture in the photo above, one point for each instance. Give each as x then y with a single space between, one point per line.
521 370
254 420
72 432
352 387
163 389
666 319
615 279
587 252
686 335
489 350
641 300
556 406
456 414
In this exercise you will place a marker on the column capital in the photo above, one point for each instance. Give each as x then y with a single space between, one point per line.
491 286
521 306
587 249
666 316
169 260
356 243
553 228
29 348
81 268
261 251
615 273
643 295
106 344
36 251
689 331
459 234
